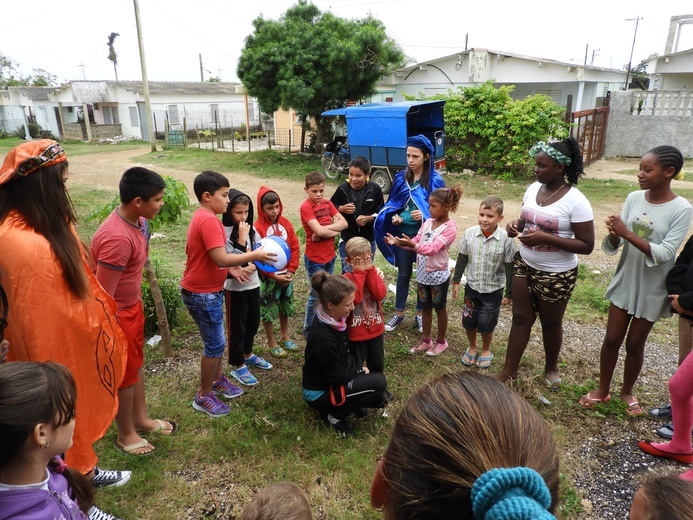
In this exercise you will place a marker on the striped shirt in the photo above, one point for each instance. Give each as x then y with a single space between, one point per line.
486 259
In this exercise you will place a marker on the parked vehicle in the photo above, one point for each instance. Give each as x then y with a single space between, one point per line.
379 132
335 161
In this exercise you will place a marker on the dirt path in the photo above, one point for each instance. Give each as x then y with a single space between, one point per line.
104 170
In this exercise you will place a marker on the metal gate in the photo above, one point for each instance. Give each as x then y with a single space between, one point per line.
589 128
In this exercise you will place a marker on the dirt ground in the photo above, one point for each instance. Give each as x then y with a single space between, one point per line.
601 457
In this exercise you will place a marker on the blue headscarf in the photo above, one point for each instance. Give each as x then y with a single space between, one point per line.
401 192
424 144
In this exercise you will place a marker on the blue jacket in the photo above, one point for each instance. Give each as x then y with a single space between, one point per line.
400 193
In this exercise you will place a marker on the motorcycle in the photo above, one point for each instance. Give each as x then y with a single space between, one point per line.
336 159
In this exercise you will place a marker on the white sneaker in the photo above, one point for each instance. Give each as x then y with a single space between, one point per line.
96 514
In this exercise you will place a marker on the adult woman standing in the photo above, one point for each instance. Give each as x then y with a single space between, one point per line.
59 310
555 225
403 214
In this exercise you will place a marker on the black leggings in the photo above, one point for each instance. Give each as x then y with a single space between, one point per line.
372 351
364 391
242 322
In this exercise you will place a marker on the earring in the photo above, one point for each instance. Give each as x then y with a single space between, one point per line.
44 446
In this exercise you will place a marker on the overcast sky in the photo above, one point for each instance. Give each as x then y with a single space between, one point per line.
68 38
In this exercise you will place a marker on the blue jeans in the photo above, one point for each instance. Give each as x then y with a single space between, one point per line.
346 268
207 309
405 259
311 269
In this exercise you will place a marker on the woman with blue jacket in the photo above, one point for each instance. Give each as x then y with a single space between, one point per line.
406 209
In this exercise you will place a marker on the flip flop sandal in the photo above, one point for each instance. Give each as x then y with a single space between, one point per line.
552 385
468 359
131 448
484 361
634 409
685 458
161 428
279 352
589 402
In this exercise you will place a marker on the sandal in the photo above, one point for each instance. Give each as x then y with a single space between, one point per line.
131 449
589 402
634 409
279 352
290 345
484 361
552 385
468 359
161 427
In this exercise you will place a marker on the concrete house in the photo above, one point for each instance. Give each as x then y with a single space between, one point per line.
20 106
585 85
118 107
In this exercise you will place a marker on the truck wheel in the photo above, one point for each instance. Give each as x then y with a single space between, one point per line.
382 179
330 166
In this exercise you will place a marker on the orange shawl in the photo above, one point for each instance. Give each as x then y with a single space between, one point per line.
48 322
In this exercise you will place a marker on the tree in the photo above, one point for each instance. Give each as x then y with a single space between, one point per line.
312 61
42 78
214 79
112 55
11 77
638 74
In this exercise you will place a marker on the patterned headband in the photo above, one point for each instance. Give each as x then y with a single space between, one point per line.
520 490
549 150
29 157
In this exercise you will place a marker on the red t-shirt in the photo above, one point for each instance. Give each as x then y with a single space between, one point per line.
321 251
119 250
201 274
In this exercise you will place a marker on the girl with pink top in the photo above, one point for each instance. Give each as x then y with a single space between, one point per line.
432 244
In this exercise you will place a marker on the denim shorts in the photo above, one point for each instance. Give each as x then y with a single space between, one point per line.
207 309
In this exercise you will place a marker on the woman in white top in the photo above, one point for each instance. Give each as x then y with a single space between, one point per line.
555 225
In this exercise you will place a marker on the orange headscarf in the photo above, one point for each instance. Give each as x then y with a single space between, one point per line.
28 157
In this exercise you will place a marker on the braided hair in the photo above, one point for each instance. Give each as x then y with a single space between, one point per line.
570 148
668 157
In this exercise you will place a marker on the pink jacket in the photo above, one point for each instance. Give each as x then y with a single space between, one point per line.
437 248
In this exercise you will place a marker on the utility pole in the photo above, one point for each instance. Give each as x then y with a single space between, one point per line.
587 46
145 82
202 71
594 53
630 61
81 64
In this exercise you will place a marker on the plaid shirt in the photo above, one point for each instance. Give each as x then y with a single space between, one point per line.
485 259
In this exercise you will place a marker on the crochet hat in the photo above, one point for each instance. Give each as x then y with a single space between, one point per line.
29 157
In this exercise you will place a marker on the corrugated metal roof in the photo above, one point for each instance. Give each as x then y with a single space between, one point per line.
35 93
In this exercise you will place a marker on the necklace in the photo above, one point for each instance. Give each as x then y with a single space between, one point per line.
549 197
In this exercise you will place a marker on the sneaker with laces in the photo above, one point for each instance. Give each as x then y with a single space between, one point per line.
258 362
95 513
243 376
210 405
437 349
419 323
421 347
106 478
226 388
393 322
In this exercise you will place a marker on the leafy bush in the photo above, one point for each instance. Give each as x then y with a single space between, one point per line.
170 291
175 201
486 130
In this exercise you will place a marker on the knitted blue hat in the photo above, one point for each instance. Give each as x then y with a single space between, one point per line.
511 494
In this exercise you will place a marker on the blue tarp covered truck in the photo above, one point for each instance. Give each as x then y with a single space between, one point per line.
379 132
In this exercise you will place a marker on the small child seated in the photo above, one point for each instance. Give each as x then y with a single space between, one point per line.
486 253
278 501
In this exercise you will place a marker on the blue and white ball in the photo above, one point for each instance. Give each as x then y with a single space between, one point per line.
278 245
